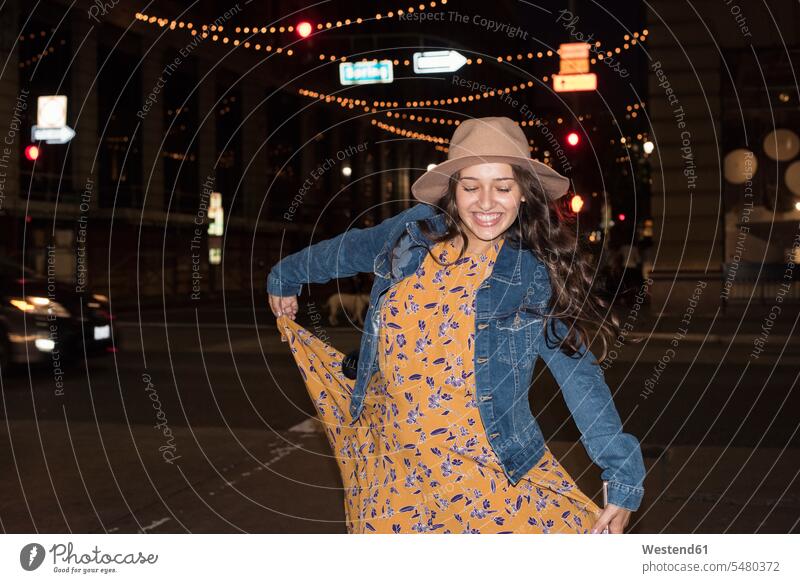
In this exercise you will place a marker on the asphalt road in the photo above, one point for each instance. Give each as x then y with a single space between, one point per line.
197 425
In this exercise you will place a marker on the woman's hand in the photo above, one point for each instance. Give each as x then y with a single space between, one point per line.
283 306
615 517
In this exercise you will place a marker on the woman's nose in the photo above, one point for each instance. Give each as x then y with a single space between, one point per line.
486 198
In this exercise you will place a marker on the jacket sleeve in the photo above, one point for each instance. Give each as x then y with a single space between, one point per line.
590 402
345 255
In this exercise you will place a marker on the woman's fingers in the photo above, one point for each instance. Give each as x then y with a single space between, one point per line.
282 306
602 521
613 517
289 306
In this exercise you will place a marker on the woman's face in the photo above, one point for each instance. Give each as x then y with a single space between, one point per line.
488 198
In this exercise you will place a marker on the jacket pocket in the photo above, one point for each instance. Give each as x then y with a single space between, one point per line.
517 321
516 333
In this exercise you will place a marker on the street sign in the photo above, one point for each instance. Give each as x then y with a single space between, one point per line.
363 72
584 82
60 135
568 51
51 111
573 58
438 61
573 74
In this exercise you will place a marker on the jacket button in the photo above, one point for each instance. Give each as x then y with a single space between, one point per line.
482 325
493 435
482 359
511 472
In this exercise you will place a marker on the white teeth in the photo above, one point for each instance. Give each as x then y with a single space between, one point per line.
487 218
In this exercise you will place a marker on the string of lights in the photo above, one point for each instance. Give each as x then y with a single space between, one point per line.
441 143
304 28
428 103
211 31
33 35
34 59
409 133
341 23
349 103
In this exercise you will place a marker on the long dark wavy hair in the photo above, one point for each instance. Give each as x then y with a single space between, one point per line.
543 227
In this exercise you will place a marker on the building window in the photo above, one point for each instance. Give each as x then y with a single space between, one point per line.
119 90
283 167
181 188
760 159
228 160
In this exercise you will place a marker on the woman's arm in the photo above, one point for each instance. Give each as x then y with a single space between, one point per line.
589 400
345 255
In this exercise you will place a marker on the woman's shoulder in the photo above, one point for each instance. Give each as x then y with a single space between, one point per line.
419 210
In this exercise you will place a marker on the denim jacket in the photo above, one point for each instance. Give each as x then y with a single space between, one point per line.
509 337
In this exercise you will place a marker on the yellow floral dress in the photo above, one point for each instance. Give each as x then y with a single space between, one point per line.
418 459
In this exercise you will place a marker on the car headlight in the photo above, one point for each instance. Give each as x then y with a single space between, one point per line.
39 306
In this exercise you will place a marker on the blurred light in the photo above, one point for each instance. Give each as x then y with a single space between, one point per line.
797 206
431 167
45 344
347 170
648 147
573 139
304 29
39 306
32 152
576 203
621 216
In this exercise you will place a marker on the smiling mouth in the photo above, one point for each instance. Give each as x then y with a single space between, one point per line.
487 219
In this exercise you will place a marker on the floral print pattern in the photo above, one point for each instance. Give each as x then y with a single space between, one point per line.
418 459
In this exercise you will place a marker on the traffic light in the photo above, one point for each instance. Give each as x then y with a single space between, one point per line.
32 152
304 29
573 139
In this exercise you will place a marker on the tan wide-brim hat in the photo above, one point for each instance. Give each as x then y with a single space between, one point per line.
487 140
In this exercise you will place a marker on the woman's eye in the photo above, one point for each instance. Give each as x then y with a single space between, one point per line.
470 189
504 189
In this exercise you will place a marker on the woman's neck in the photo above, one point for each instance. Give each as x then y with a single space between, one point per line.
476 246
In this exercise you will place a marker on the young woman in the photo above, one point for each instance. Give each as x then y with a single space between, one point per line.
472 286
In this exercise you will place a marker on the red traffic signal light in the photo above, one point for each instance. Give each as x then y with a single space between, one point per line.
573 139
304 29
32 152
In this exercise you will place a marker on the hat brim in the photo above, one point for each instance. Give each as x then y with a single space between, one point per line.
431 186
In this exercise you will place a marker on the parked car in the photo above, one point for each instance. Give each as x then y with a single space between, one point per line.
42 319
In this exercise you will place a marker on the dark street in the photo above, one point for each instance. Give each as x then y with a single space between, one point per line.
239 451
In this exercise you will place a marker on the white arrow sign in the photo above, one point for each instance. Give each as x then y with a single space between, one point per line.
438 61
60 135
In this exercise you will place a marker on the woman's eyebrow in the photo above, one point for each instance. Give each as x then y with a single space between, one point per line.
473 178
